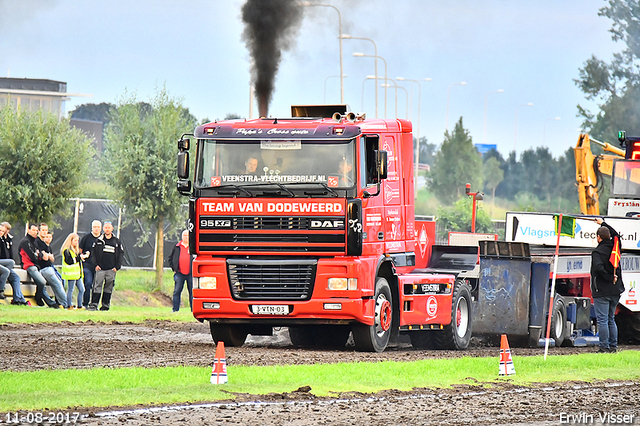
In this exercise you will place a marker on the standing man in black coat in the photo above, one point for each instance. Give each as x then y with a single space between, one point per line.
108 255
606 286
89 265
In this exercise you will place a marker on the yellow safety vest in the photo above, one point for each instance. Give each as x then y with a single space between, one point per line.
73 271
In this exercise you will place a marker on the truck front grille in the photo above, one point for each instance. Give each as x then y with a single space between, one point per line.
265 279
263 234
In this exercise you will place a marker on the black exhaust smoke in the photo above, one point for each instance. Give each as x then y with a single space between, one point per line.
270 27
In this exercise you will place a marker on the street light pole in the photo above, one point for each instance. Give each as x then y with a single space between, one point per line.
369 77
325 85
375 50
446 123
544 133
362 55
417 149
395 85
515 139
486 98
308 4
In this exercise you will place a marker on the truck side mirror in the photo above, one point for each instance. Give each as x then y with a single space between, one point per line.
184 186
381 164
183 165
183 144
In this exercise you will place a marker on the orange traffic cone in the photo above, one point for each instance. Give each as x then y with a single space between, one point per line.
219 371
506 363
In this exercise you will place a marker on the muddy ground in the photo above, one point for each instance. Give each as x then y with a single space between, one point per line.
164 343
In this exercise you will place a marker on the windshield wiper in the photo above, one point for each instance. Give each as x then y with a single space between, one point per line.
279 185
325 186
239 189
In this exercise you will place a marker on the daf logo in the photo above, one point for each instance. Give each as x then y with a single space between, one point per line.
330 224
215 223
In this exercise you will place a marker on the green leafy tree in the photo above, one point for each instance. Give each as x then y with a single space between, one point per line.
457 218
42 164
492 175
140 161
93 112
457 162
614 86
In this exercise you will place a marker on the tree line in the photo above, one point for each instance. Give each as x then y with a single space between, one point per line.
45 161
534 180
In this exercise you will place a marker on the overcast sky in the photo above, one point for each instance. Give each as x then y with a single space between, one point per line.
530 49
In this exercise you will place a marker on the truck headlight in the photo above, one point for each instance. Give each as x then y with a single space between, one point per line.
208 283
342 283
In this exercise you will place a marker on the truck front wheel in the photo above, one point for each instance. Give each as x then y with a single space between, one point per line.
374 338
457 334
230 334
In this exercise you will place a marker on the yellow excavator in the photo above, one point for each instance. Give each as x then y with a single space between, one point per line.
622 165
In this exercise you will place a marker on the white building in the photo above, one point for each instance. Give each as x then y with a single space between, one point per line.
34 94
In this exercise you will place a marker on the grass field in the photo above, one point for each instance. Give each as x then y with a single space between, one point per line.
32 315
103 387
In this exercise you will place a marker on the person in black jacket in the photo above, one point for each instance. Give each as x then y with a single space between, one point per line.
7 262
606 287
30 257
89 265
181 262
108 256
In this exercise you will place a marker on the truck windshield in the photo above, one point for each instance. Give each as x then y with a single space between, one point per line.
256 162
626 179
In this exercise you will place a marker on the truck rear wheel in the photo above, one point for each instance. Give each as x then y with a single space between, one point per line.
457 334
558 320
230 334
374 338
629 327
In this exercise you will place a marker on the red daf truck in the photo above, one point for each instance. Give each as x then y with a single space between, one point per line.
308 223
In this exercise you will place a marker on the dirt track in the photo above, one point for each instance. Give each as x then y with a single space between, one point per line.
162 343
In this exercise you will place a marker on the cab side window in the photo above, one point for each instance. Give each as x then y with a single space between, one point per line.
369 145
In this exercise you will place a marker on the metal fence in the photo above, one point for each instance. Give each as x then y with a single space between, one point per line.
442 234
78 216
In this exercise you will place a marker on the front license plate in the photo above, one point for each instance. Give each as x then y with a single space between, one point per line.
270 309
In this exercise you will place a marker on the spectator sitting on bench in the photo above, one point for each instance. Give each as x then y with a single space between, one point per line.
29 254
45 263
6 266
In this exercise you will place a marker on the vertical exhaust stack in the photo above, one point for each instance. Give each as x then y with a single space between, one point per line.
270 27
